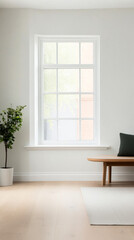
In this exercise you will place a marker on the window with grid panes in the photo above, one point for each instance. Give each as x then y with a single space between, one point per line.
69 90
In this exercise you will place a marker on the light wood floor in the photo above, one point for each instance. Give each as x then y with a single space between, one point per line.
52 211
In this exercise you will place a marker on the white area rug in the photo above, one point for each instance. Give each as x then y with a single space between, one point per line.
109 206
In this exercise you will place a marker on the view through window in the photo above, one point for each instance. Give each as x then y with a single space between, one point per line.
68 72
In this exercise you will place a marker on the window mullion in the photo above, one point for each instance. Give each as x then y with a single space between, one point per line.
65 118
69 66
80 91
67 93
41 85
57 92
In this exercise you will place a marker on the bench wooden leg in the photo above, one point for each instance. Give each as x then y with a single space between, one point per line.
104 173
109 174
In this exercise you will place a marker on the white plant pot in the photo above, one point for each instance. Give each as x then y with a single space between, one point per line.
6 176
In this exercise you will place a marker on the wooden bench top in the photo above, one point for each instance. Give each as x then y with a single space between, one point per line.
111 159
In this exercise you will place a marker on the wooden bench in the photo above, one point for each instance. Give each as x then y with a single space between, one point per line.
112 161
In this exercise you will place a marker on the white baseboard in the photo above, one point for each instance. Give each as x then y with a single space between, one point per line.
51 176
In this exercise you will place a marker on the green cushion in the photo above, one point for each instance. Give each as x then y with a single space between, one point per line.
126 145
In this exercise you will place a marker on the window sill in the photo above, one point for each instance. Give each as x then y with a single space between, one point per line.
66 147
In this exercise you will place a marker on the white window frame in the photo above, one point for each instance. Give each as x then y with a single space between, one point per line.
36 89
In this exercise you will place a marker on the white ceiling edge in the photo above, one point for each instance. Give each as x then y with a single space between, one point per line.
67 4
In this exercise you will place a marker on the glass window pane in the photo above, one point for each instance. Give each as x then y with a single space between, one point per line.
87 130
50 130
68 106
68 53
87 105
68 80
49 51
50 80
68 130
87 53
87 80
50 106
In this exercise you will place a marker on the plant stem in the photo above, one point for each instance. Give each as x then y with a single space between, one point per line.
5 155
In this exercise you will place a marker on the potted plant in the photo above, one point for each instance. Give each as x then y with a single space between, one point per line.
10 122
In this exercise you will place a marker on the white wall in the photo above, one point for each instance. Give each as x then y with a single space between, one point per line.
115 27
